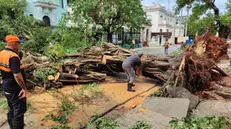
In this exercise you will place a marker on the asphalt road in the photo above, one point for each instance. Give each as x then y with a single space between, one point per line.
157 50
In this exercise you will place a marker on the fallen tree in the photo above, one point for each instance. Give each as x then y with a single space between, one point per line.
90 65
196 68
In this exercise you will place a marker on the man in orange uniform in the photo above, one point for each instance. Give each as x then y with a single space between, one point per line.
13 85
166 46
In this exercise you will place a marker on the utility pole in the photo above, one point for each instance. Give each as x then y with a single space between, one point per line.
173 31
186 29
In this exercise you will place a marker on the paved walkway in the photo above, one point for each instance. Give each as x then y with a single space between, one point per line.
156 111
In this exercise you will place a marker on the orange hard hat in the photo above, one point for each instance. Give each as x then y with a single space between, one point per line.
12 39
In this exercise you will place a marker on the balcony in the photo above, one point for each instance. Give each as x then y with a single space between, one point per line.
46 3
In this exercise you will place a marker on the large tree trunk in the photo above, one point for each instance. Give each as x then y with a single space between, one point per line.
109 35
224 31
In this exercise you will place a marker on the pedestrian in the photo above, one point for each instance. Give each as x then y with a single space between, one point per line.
133 43
139 44
166 46
13 85
132 68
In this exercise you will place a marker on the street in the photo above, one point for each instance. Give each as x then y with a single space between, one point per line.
157 50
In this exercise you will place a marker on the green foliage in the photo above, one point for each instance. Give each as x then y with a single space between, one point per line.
70 40
141 125
60 127
36 39
201 123
202 18
102 123
3 104
177 52
2 45
201 25
55 52
63 111
10 10
89 91
106 16
13 21
158 93
41 74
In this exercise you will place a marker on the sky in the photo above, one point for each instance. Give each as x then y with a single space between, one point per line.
171 3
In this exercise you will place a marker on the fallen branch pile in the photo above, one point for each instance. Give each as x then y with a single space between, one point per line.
91 65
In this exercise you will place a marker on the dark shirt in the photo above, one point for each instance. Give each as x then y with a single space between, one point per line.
9 82
132 61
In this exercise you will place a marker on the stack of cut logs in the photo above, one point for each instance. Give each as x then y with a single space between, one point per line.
92 65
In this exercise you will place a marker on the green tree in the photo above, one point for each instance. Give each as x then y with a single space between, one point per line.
109 16
219 22
199 26
13 21
9 11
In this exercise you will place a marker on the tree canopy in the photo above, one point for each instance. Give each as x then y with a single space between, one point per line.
205 14
107 15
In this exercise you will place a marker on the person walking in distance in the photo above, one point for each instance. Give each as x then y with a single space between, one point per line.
13 85
131 66
166 46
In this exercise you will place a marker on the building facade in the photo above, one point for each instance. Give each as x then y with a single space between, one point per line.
49 11
163 26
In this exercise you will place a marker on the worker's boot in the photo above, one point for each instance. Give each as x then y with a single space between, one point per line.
130 87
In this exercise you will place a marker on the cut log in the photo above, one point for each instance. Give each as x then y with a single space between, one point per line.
57 76
65 76
51 78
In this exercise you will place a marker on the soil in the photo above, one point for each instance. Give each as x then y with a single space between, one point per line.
112 94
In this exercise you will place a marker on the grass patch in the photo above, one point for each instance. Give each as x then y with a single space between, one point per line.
201 123
141 125
177 52
102 123
88 91
63 111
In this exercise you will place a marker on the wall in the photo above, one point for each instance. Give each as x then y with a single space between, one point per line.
55 13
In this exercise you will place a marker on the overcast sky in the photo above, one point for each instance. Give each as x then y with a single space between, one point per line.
220 3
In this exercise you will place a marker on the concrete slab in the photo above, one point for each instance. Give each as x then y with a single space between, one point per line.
211 108
157 120
171 107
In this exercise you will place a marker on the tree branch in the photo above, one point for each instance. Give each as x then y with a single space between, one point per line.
216 11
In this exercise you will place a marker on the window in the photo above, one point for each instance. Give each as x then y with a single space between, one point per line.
167 30
161 16
31 15
47 21
161 30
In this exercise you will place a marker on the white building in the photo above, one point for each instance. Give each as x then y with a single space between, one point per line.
162 26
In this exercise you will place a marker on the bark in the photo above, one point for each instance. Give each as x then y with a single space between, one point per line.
109 35
224 31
